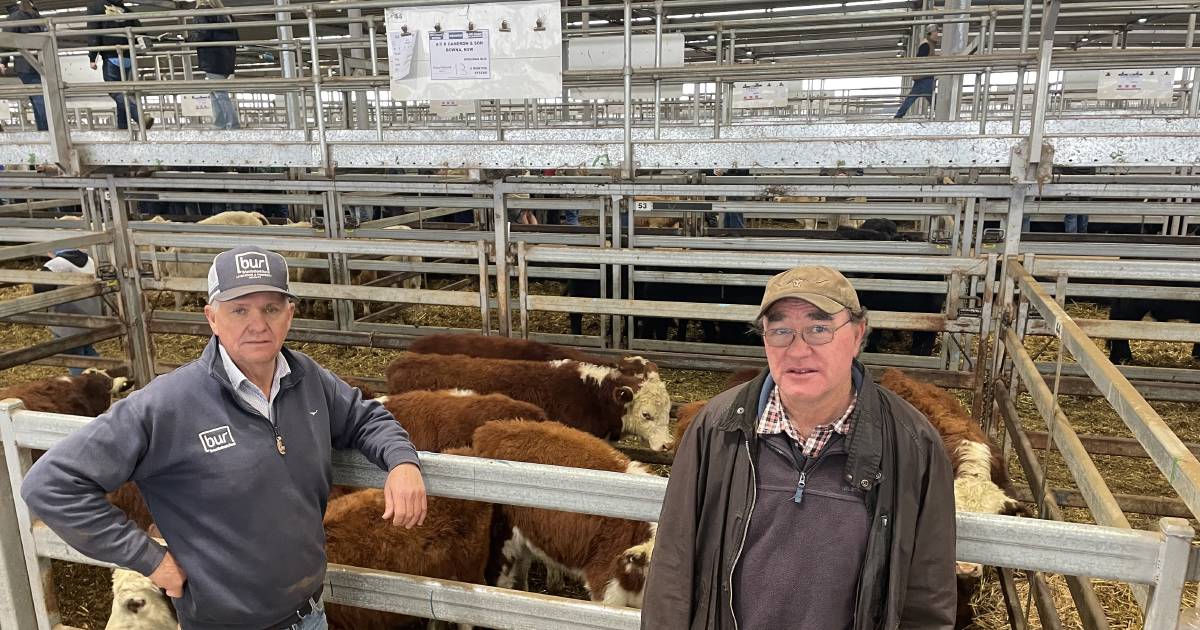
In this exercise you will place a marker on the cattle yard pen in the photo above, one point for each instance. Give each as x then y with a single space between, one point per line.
960 183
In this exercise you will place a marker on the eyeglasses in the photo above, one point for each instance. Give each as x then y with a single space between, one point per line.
815 335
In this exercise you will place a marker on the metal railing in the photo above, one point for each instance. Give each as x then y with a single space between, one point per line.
1158 559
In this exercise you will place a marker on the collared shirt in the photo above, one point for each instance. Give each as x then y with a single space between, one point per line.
774 420
248 391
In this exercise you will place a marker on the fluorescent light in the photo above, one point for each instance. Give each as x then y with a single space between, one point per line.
1142 20
711 37
1084 39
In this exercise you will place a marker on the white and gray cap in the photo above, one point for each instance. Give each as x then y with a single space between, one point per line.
245 270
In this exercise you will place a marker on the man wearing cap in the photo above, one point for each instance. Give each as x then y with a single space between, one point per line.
810 497
232 454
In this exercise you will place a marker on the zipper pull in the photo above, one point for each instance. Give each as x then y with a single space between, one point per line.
800 488
279 444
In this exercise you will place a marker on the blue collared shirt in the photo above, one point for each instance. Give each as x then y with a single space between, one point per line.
248 391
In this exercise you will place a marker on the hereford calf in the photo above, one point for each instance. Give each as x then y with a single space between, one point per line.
444 419
138 604
610 556
688 411
493 347
593 398
89 394
452 544
360 385
981 482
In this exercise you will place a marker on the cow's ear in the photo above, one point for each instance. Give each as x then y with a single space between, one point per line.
623 394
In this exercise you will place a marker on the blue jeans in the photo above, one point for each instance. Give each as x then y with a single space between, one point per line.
315 620
1075 223
570 217
922 88
81 351
735 220
112 72
38 102
224 113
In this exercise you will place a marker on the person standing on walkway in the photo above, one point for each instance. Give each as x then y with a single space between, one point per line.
115 67
24 10
922 86
217 62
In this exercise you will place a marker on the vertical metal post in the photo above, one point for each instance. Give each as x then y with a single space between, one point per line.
954 42
318 103
1049 23
287 63
1194 91
375 73
64 154
16 596
361 115
485 310
717 84
132 304
500 227
1019 86
628 168
658 28
1162 612
523 289
37 570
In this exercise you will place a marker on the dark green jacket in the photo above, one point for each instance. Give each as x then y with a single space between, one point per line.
894 454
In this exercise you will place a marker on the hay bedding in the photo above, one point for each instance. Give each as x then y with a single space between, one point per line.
84 595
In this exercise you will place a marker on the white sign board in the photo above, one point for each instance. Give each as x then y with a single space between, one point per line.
459 55
1156 83
643 206
195 105
75 69
450 109
608 53
463 52
758 95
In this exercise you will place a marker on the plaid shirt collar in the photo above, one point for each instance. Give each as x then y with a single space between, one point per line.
774 420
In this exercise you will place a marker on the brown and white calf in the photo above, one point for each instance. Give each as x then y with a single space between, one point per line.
981 482
452 544
438 420
495 347
593 398
88 394
611 556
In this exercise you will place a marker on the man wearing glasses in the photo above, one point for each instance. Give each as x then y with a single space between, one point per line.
809 497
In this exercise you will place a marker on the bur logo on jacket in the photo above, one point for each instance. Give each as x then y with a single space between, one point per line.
217 439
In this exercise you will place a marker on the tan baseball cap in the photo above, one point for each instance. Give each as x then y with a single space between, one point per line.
824 288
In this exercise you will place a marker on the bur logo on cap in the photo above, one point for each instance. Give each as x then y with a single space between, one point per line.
251 265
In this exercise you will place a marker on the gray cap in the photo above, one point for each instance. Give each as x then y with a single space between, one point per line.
245 270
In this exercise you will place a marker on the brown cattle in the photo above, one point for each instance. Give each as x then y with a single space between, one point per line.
687 412
452 544
367 390
593 398
981 482
89 394
494 347
438 420
610 556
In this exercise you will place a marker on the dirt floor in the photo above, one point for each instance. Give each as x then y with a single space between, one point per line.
83 591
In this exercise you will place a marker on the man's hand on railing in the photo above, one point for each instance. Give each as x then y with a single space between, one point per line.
93 65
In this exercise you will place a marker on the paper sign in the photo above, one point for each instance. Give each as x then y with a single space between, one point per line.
487 50
1136 84
400 53
754 95
456 55
194 105
643 206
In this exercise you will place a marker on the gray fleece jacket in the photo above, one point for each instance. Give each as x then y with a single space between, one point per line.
243 521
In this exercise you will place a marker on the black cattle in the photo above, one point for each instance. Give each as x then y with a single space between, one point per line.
1133 309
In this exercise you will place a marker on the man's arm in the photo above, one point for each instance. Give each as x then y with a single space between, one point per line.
932 592
66 488
669 587
365 425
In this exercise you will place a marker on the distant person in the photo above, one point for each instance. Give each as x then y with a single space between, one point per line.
24 10
73 261
922 86
115 67
217 62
